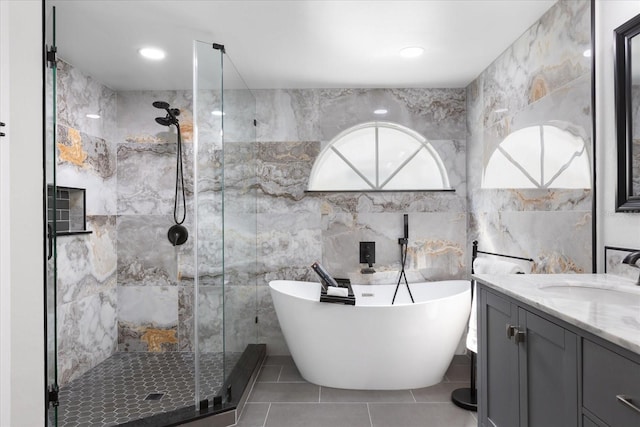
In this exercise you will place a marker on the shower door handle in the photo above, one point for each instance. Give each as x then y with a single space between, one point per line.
50 241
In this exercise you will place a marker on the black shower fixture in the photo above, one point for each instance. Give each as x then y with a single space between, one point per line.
172 113
178 233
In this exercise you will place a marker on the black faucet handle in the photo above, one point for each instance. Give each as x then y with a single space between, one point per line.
632 259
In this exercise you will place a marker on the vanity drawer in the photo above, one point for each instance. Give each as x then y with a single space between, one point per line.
607 378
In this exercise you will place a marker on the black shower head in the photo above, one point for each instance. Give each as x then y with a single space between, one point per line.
171 118
164 121
161 105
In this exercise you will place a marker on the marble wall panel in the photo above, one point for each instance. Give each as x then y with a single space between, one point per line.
87 262
240 310
211 312
287 245
210 317
145 255
321 114
269 331
240 249
541 79
136 116
283 170
437 244
559 242
568 108
78 95
545 58
89 162
613 262
147 318
87 333
147 178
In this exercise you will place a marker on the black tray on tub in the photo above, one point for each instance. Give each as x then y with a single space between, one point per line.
343 283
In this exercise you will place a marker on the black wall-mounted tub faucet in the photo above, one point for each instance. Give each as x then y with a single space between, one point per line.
632 260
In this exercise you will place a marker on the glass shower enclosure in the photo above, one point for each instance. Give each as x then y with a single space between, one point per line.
138 327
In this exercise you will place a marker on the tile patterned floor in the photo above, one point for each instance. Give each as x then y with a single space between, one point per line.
114 392
282 398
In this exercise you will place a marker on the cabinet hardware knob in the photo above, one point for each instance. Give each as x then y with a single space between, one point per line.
626 400
511 331
519 336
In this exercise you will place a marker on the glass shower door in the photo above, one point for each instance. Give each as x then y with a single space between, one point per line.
208 309
50 216
240 217
225 202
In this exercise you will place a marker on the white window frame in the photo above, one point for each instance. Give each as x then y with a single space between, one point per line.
422 144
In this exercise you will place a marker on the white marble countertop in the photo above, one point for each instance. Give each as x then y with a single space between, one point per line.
605 305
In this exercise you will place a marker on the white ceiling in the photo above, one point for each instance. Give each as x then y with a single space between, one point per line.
295 43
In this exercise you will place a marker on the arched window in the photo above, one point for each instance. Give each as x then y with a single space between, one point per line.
378 156
541 156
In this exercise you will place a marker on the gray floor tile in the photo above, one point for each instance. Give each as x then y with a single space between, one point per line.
284 392
318 415
458 373
290 374
253 415
419 415
461 359
279 360
340 395
437 393
269 373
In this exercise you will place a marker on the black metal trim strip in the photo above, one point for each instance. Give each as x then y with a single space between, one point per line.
594 181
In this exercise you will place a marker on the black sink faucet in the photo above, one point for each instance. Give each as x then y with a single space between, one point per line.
632 260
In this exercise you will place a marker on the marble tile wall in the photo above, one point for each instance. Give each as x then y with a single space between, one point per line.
86 264
296 228
542 78
154 274
155 279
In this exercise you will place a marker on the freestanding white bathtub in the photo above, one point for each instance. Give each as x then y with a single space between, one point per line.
373 345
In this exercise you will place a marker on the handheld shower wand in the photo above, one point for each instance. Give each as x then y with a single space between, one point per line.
178 233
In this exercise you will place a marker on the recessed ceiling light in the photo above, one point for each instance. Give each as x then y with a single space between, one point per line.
93 116
218 113
500 110
152 53
587 53
411 52
380 111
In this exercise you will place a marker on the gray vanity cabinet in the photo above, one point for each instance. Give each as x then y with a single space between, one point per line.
528 375
610 387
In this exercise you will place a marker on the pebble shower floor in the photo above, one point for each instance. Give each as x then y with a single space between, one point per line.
129 386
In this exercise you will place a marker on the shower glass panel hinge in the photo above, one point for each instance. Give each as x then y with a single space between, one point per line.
52 57
256 319
2 125
255 122
52 395
217 46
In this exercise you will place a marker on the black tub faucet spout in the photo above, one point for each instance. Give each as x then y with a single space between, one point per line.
632 260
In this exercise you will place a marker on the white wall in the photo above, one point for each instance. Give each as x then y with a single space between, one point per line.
5 294
22 400
614 229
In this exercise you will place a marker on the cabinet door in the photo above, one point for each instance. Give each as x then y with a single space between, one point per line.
548 374
498 361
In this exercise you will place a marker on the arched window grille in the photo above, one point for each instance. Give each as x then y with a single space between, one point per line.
541 156
378 156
